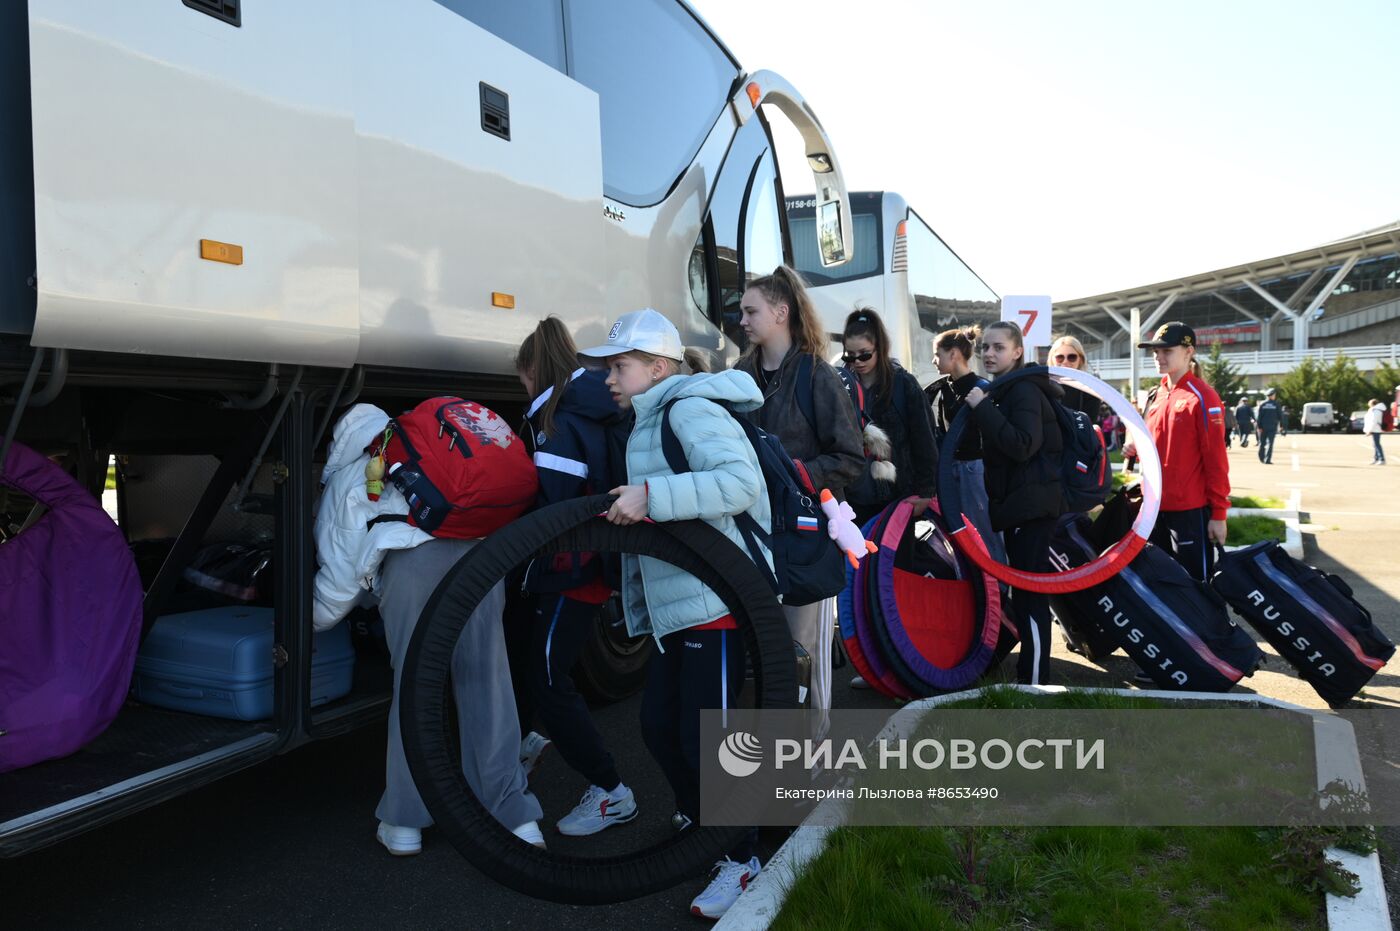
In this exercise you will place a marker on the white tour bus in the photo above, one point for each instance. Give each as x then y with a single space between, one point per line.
900 267
221 221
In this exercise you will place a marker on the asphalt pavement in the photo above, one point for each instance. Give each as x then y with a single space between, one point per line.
290 844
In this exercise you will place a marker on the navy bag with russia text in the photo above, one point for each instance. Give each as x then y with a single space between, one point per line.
1309 616
1175 628
807 565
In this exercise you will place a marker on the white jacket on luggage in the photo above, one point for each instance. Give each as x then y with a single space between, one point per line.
348 548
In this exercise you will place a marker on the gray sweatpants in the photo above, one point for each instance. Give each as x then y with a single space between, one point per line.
813 626
481 689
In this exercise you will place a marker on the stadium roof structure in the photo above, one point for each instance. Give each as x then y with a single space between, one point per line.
1105 316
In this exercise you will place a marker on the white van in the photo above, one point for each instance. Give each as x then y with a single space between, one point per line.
1318 415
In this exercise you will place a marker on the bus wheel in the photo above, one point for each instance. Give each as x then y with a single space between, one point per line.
612 666
429 731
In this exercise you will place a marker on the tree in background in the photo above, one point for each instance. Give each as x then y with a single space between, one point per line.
1223 375
1305 383
1385 378
1340 383
1345 386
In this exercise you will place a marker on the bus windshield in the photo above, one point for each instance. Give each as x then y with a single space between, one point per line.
867 256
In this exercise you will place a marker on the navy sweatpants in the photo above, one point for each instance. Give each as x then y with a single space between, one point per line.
695 670
1184 535
1028 547
561 628
1266 446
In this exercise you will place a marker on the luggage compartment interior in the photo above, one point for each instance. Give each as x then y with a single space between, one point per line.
149 455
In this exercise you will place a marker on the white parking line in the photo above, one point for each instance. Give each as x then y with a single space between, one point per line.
1296 467
1353 514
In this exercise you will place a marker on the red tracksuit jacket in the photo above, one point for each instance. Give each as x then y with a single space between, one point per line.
1188 424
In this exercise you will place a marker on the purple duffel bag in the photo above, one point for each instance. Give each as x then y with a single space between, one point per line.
70 618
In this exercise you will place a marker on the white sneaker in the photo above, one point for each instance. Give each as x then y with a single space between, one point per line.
401 842
858 682
531 749
599 809
530 833
729 881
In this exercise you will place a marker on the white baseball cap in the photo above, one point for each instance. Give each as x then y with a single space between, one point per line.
645 330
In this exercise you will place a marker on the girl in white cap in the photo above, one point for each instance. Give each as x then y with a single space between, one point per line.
700 663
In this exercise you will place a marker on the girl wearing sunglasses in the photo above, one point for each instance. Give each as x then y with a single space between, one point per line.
902 459
1067 352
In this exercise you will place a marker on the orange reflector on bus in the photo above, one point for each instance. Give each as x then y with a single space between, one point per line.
899 228
216 251
755 93
500 299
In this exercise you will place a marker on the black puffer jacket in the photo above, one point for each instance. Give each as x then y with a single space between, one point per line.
1022 445
946 395
912 449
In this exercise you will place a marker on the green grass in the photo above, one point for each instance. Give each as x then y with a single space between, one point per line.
1054 877
1256 501
1060 877
1251 528
112 477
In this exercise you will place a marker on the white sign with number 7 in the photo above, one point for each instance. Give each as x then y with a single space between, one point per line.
1030 312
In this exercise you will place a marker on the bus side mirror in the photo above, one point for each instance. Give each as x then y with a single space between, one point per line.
831 233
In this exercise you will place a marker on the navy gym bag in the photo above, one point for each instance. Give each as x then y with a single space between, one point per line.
1309 616
1176 628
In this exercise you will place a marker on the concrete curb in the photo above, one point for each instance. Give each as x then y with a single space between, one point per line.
1366 911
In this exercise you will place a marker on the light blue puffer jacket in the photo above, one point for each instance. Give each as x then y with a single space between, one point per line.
725 480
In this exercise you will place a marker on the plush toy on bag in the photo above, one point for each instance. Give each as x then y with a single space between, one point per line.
840 524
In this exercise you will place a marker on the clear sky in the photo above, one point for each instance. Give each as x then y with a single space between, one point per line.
1073 147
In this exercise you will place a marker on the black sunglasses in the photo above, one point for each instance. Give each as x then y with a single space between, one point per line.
1067 357
866 356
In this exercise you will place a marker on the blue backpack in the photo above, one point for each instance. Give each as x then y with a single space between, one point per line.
1086 479
807 566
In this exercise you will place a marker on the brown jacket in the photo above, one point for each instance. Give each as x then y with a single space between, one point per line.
832 454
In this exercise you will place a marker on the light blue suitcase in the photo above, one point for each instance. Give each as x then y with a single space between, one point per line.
218 662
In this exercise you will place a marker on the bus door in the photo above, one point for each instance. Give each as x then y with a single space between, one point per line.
745 232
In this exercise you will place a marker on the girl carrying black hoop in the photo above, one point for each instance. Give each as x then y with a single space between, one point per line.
1021 445
700 658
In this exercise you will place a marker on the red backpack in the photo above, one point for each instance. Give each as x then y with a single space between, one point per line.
460 466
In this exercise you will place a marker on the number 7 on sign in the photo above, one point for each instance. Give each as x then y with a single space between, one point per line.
1029 322
1032 313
